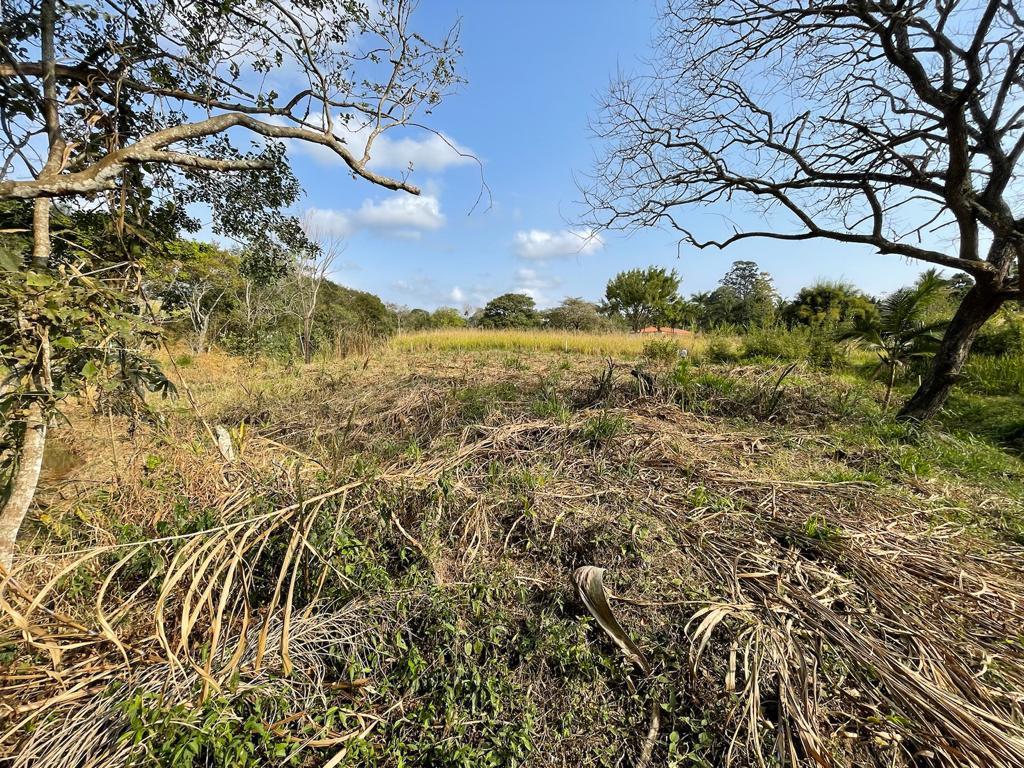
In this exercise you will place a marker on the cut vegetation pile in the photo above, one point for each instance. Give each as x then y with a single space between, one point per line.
381 572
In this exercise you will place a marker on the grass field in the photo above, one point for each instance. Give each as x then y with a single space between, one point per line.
470 339
383 570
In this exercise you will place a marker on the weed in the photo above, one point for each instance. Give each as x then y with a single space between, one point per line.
722 350
776 344
477 401
661 351
222 732
549 405
716 383
1000 375
599 430
817 527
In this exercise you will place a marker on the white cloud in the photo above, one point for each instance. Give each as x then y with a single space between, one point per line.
401 211
536 286
539 244
390 151
432 153
328 222
400 215
422 290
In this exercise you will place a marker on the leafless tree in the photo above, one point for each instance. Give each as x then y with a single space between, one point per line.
201 301
306 277
892 124
258 305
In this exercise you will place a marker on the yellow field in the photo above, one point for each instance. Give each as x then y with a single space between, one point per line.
471 339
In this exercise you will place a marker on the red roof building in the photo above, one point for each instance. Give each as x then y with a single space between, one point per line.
666 331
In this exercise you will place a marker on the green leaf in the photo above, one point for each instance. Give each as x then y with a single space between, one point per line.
38 280
10 261
90 369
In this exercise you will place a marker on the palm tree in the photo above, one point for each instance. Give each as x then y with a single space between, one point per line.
902 330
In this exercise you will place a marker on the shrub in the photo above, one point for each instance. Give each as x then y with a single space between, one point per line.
722 350
825 352
777 343
1002 338
664 351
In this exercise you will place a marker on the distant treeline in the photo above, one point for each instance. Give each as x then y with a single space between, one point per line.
207 295
745 300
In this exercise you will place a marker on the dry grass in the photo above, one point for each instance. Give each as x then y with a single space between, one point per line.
785 620
473 339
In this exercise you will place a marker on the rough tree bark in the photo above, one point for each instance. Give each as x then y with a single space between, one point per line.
33 441
24 482
980 303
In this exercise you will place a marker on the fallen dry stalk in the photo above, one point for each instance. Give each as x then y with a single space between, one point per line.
885 636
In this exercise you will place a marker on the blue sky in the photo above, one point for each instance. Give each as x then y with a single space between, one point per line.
536 71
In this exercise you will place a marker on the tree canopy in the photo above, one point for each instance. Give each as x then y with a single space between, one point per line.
159 84
510 310
575 314
752 292
828 303
137 112
642 296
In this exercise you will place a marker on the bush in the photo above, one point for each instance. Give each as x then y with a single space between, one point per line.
1002 338
722 350
777 343
825 352
661 351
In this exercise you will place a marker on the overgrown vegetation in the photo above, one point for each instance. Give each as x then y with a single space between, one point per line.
508 535
382 576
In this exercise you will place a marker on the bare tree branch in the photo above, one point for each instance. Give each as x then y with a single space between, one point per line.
866 122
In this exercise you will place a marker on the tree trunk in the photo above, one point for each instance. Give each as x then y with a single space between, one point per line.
307 340
41 233
23 484
889 384
33 442
199 346
980 303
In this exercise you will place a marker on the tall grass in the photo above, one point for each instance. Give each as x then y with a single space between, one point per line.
996 375
472 339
